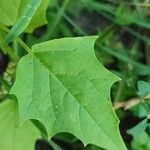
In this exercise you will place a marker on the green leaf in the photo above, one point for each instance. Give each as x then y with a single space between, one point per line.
9 11
63 85
39 17
12 137
20 13
140 127
141 110
140 141
143 88
24 19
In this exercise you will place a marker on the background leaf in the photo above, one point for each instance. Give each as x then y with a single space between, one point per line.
143 88
24 19
12 10
140 137
12 136
9 11
39 18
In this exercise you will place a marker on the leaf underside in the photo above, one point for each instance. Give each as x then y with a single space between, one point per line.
63 85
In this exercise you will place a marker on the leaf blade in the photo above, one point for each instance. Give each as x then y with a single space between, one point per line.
62 73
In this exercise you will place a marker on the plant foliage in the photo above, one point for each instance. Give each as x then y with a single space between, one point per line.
61 83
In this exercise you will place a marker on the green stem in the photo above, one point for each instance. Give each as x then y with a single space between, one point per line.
147 55
5 84
142 101
119 91
6 48
69 20
24 45
58 16
18 39
15 45
54 145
